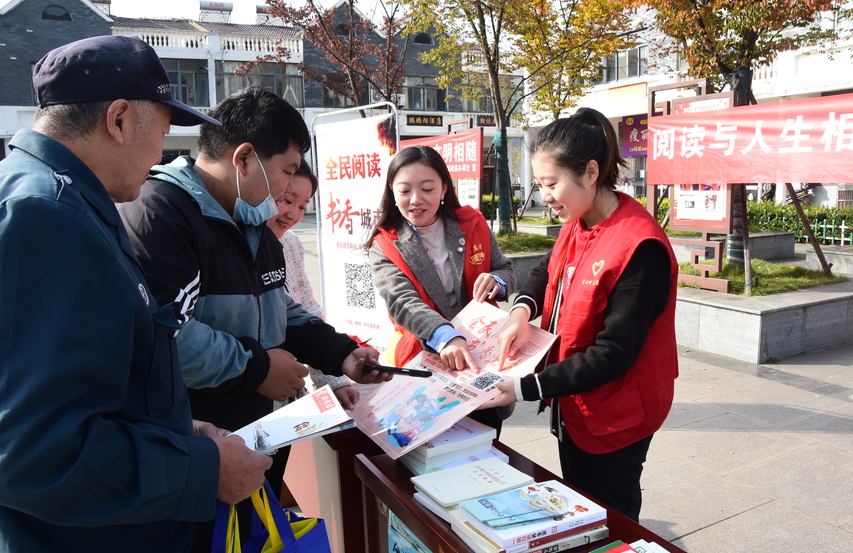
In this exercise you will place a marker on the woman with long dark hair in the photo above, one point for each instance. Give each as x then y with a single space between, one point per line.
607 289
430 256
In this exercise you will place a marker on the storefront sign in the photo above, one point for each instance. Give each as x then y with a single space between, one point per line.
800 141
635 130
424 120
485 120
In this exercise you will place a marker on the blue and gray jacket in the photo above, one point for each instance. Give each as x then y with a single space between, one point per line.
229 279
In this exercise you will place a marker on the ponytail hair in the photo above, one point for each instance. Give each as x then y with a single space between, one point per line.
575 141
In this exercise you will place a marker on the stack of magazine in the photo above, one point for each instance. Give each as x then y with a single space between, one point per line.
465 441
548 515
441 492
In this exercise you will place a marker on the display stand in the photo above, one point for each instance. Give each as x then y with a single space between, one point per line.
386 485
321 475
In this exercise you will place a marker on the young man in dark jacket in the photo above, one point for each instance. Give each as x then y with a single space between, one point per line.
199 231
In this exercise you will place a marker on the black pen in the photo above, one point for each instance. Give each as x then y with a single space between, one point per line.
397 370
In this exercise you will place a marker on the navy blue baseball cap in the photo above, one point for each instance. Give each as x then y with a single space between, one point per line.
106 68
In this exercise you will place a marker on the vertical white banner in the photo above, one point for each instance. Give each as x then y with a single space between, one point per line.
352 164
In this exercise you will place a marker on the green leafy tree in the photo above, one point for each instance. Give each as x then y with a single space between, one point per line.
503 51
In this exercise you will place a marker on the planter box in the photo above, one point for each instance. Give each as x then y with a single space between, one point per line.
841 258
523 263
763 328
544 230
770 245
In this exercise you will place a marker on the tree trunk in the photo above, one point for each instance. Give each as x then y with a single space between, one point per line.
734 242
502 181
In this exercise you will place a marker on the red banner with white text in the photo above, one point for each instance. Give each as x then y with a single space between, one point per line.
462 152
800 141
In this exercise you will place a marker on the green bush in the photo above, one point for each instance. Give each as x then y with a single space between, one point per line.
486 207
662 209
826 222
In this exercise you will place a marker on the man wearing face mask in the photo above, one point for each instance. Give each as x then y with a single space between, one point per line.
198 229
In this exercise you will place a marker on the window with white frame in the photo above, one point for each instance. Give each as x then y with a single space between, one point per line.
423 93
626 64
188 80
282 79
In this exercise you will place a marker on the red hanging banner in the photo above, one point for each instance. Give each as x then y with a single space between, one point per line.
462 152
800 141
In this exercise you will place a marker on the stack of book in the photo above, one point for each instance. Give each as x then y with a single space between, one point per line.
441 492
465 441
549 515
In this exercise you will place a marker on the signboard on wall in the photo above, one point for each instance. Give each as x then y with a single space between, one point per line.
634 135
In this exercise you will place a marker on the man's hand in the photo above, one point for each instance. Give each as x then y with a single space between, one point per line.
241 470
348 396
506 394
455 355
202 428
485 288
353 367
286 376
513 334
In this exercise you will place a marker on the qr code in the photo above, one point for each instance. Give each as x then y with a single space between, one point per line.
359 282
485 381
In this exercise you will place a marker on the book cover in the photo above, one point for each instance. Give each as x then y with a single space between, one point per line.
405 412
449 457
462 434
558 542
533 511
615 547
439 511
311 416
419 468
477 479
642 546
400 538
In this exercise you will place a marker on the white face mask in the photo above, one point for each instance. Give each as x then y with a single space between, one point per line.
249 215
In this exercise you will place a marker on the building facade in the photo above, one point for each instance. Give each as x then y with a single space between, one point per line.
201 57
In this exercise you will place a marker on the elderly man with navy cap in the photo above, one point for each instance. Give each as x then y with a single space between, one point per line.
98 451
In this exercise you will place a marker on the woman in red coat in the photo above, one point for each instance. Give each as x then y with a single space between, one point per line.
608 291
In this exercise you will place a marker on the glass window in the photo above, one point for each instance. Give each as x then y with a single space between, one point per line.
423 93
422 38
284 80
57 13
625 65
188 80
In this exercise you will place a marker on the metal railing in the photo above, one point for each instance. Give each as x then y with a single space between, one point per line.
168 39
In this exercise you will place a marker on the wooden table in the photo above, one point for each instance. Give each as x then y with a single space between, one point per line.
386 484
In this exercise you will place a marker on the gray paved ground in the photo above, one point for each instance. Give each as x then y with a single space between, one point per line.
752 457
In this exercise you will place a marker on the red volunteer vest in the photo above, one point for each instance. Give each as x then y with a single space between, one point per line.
635 405
478 249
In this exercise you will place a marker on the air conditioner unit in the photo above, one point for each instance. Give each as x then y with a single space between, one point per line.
399 99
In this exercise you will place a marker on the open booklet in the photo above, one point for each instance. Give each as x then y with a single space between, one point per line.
402 414
314 415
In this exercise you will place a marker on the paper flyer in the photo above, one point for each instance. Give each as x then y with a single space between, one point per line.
314 415
402 414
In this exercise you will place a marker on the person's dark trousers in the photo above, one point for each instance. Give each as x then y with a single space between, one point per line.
275 474
489 417
610 478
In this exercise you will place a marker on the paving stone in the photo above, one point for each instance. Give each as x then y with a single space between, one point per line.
700 382
688 412
727 443
680 497
833 427
814 479
759 530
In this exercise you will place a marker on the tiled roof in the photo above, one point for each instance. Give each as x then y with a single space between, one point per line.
192 26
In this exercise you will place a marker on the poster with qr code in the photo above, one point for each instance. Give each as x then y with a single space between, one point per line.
352 161
405 412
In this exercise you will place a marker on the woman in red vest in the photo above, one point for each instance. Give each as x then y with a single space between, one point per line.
608 291
430 256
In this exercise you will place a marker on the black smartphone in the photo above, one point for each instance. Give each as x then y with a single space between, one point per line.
397 370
